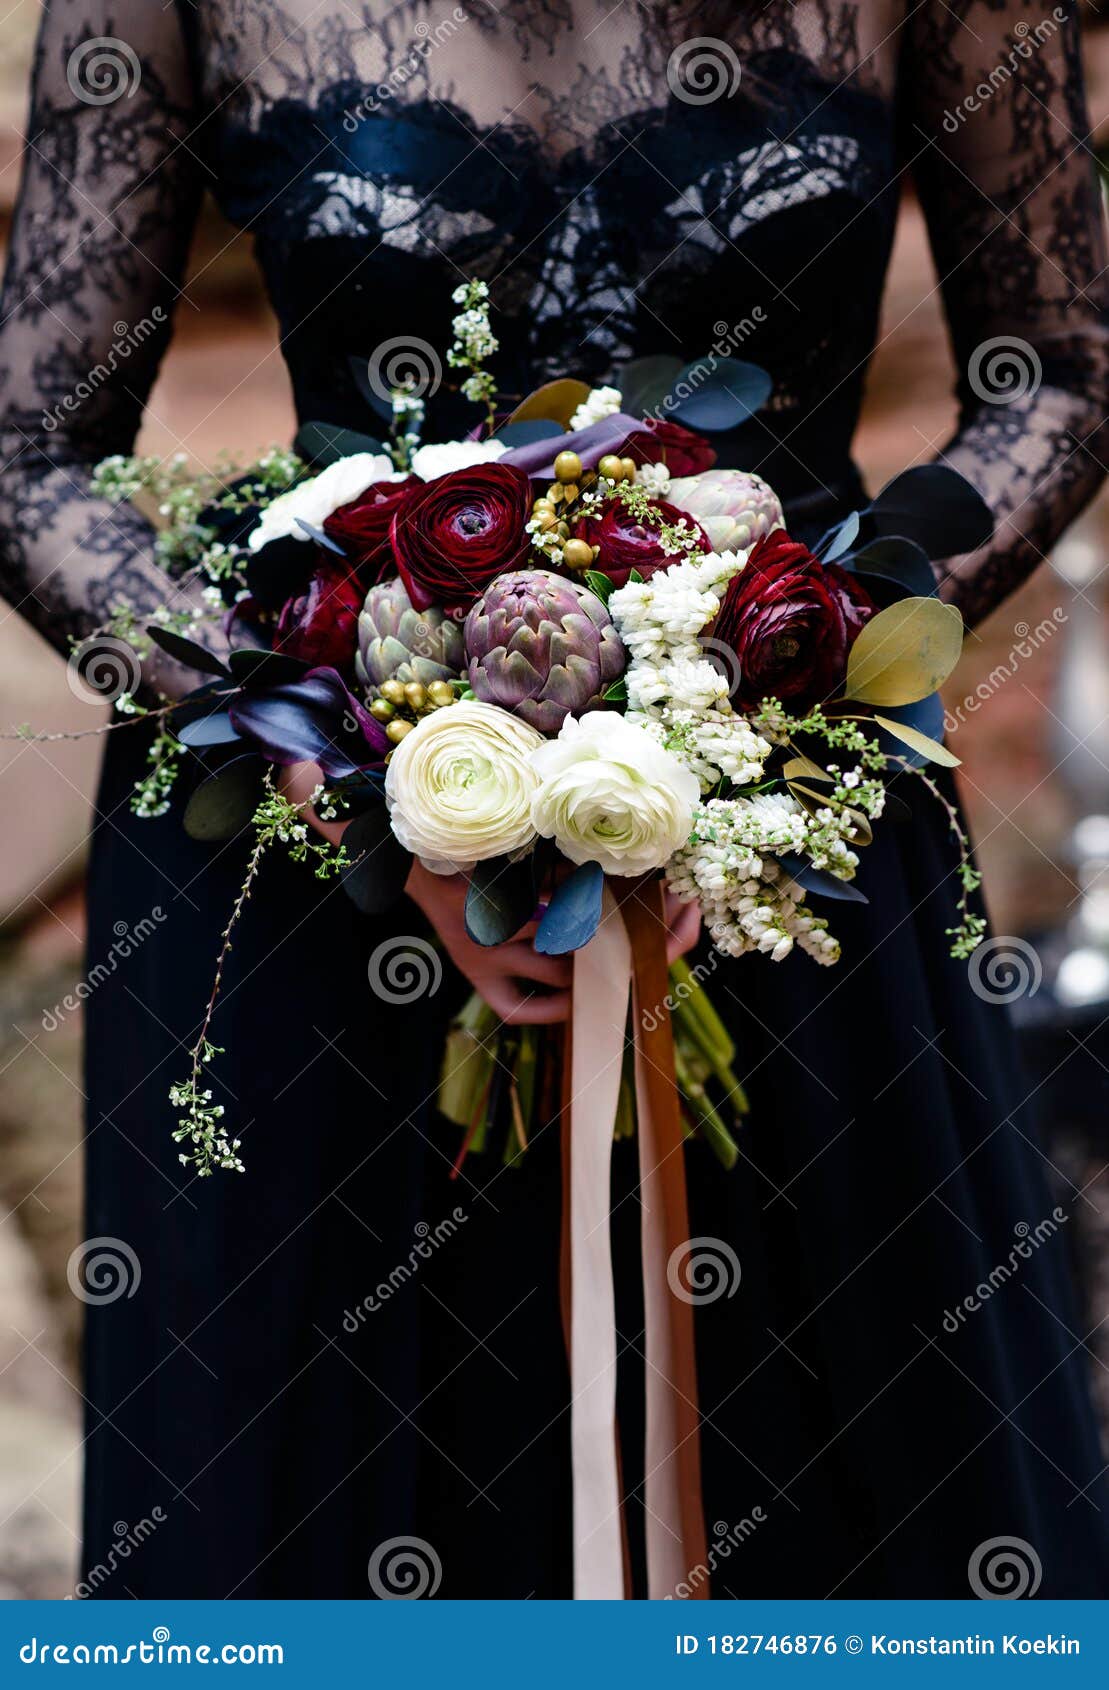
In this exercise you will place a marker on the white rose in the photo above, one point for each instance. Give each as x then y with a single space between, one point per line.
611 794
460 785
313 501
432 461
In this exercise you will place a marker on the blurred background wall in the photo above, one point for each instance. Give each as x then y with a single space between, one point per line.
1027 779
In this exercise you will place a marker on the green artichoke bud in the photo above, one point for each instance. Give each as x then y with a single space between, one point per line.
734 507
541 646
397 642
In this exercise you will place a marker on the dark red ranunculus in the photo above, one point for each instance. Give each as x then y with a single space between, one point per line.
453 535
665 442
626 543
791 620
321 626
362 527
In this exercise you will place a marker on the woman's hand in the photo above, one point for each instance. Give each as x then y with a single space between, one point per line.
517 982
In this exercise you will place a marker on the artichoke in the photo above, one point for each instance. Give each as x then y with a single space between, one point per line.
735 508
541 646
397 642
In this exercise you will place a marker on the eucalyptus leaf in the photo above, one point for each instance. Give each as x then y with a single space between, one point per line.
718 393
186 651
905 652
500 899
802 765
224 804
528 430
645 382
318 535
839 539
893 558
574 912
215 728
376 875
930 749
555 401
817 881
935 506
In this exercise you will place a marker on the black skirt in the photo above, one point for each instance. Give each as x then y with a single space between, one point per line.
345 1345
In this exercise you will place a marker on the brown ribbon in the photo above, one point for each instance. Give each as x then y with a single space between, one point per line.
628 952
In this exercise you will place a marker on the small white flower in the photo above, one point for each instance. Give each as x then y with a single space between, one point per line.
602 402
656 479
314 500
438 459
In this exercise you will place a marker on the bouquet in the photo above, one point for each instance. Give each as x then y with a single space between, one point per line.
566 657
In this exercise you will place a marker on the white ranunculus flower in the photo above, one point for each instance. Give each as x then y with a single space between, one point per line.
609 793
435 460
313 501
460 785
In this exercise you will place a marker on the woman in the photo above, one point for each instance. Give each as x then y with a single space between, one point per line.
286 1395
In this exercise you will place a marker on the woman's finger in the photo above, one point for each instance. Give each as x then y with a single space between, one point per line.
526 963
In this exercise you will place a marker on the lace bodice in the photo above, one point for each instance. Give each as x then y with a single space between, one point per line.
649 177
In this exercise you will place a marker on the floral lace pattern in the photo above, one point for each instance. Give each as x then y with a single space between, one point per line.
628 180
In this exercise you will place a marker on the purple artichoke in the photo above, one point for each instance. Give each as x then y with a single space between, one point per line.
541 646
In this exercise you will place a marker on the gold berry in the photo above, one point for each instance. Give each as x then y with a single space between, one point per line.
381 710
393 691
610 467
397 730
415 695
440 693
567 467
577 554
629 466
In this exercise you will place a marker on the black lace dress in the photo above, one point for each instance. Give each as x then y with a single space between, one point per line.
291 1386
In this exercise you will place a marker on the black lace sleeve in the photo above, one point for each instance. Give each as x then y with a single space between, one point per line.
999 135
101 234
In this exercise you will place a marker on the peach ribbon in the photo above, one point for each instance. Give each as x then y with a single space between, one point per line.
626 961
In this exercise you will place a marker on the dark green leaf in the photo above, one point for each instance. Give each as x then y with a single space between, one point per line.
714 393
574 912
935 506
893 558
215 728
318 535
599 583
616 692
224 804
321 444
645 382
186 651
501 898
839 539
528 430
252 667
379 869
817 881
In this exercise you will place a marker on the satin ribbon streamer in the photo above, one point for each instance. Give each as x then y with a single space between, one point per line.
626 961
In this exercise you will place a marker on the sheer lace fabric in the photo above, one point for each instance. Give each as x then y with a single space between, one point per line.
565 151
